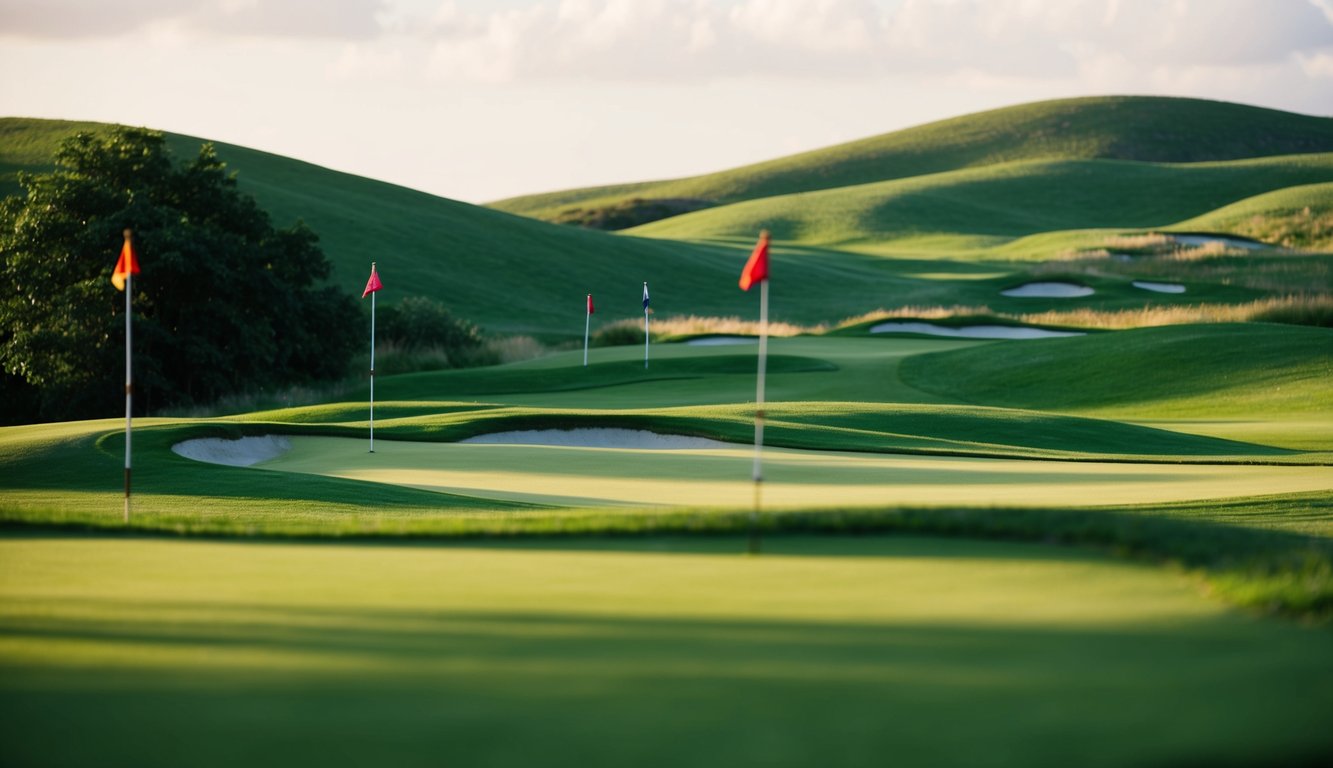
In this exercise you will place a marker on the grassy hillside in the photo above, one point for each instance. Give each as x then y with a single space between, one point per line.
1296 217
990 205
1196 370
28 144
507 273
1122 128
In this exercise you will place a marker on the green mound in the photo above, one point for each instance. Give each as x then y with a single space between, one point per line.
1208 370
991 204
1121 127
1296 217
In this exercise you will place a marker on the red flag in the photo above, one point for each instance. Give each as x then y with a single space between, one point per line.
590 310
756 269
127 265
373 284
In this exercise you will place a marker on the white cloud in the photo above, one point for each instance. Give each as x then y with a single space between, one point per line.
298 19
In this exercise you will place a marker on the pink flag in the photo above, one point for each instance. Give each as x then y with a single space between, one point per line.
373 284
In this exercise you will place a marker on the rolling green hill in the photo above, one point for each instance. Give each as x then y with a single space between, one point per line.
1138 128
507 273
999 202
976 182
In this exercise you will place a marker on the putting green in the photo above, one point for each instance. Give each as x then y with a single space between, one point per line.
721 477
644 652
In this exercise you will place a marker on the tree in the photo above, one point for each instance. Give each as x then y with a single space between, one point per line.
226 303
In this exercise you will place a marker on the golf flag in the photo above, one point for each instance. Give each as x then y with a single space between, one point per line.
645 295
756 269
587 326
645 324
373 284
128 264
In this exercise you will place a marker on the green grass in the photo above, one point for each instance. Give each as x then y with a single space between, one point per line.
647 652
1119 128
991 205
1206 370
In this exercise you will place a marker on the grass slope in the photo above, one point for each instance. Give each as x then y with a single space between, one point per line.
1120 127
988 206
517 275
1195 370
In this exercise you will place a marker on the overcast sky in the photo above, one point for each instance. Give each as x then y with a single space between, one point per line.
483 99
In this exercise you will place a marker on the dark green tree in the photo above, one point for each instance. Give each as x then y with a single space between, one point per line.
226 303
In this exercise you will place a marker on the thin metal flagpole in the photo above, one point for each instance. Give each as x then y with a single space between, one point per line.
759 416
372 364
587 324
129 380
645 328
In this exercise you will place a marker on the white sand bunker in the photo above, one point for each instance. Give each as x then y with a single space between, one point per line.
634 439
1198 241
972 331
1159 287
1049 291
718 341
237 453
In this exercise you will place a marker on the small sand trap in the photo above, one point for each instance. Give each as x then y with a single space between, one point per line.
1198 241
634 439
718 341
972 331
1159 287
236 453
1049 291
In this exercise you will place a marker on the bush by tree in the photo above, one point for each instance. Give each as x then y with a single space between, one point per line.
425 331
225 303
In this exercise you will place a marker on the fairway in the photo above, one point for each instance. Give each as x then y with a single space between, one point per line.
638 652
719 477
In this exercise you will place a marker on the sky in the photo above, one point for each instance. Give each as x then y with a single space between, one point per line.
481 100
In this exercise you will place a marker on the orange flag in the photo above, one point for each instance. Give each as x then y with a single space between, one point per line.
127 265
756 269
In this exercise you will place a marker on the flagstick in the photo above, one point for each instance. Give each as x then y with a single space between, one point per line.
645 338
587 323
129 385
372 364
759 416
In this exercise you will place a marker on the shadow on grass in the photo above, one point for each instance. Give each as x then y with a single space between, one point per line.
221 683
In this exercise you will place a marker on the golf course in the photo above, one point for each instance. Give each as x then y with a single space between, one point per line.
1047 473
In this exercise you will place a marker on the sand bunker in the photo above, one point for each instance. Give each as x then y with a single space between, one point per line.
1159 287
972 331
1049 291
718 341
236 453
634 439
1198 241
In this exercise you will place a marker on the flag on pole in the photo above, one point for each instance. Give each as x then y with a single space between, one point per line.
756 269
122 277
373 284
126 265
645 324
587 326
